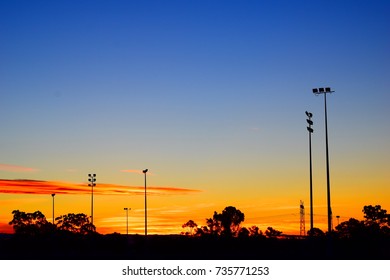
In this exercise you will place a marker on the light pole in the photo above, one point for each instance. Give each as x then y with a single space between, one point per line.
92 180
310 130
338 219
146 216
53 195
127 219
324 91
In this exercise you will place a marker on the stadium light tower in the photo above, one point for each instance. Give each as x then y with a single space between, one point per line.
53 195
127 219
92 180
324 91
146 215
310 130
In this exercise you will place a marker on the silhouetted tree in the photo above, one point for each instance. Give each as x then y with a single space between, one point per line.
375 215
271 232
351 229
30 223
230 220
75 223
315 232
201 231
243 232
376 220
255 231
213 226
191 226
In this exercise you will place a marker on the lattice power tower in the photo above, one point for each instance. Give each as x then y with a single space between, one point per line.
302 230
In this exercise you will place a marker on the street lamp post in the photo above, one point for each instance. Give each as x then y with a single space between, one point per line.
53 195
127 219
92 180
324 91
146 216
310 130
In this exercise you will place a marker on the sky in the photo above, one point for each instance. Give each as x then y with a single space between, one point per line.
210 96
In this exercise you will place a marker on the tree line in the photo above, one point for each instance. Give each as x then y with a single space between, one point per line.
34 224
376 223
227 224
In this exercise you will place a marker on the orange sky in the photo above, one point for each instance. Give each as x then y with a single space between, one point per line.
210 96
168 207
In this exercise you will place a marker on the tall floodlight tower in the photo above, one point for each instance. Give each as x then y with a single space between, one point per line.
127 219
302 229
324 91
146 215
92 180
310 130
53 195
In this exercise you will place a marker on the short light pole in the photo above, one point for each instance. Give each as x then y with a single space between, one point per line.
127 219
53 195
324 91
92 180
338 219
310 130
146 215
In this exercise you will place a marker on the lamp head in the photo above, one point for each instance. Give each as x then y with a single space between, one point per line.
144 171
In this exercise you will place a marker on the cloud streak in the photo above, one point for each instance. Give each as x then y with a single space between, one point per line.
16 168
136 171
25 186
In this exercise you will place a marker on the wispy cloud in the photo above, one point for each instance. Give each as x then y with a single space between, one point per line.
25 186
16 168
136 171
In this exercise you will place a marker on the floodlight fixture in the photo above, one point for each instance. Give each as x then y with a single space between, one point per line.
321 90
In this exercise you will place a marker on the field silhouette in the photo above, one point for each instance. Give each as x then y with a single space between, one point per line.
169 247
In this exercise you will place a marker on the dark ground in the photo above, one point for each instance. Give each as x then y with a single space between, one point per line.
169 247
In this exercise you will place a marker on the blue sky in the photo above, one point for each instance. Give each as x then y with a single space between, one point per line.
209 95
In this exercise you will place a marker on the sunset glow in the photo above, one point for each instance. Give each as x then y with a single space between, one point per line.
209 96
